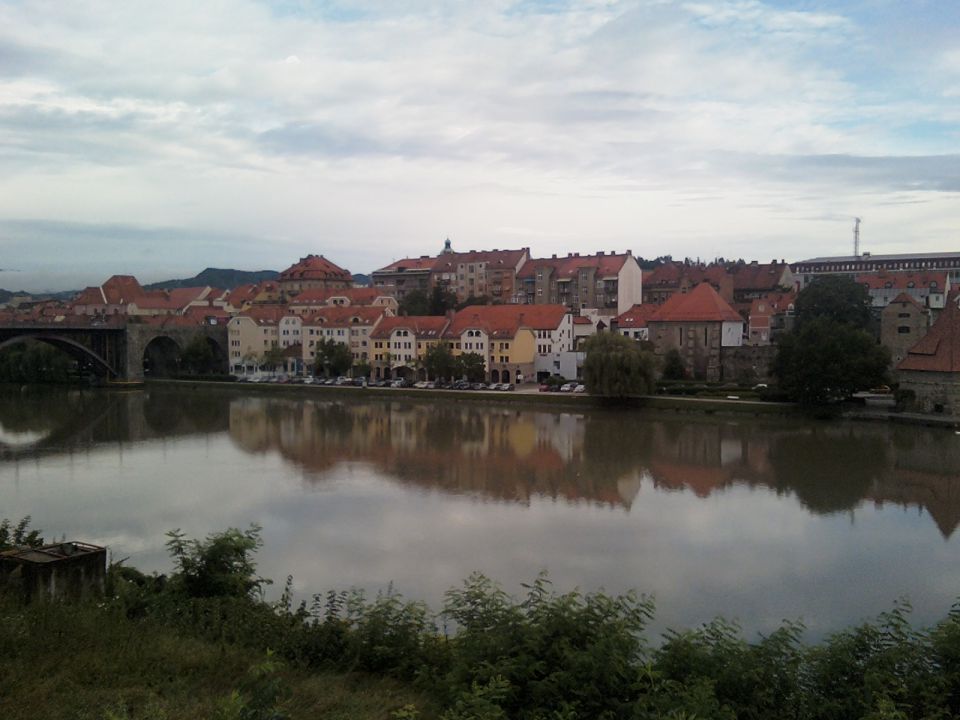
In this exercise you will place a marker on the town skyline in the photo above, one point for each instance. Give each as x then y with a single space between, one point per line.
161 139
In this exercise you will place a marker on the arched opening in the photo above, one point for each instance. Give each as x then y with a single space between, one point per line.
495 376
161 358
201 356
32 355
422 374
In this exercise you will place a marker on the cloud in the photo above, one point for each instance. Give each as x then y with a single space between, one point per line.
293 120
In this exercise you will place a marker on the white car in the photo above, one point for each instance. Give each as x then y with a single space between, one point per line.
568 387
580 389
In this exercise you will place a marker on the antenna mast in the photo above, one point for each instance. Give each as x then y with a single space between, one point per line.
856 237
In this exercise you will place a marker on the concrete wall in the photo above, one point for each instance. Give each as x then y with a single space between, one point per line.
749 363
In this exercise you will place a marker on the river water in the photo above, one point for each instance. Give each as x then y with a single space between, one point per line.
753 519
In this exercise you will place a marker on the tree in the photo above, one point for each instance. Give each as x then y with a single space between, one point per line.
825 360
332 358
197 357
472 366
273 358
616 367
836 297
362 369
441 300
439 361
415 302
219 566
673 367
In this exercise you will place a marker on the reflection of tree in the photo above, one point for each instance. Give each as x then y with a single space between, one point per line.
829 470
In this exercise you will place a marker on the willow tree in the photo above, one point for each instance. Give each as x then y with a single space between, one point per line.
616 367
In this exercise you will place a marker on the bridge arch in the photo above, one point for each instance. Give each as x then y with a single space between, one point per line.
74 349
161 357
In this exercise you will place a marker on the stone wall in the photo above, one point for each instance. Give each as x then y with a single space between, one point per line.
934 392
748 364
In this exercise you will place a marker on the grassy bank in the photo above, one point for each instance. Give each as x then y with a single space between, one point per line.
92 662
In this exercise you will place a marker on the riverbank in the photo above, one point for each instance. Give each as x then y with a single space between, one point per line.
530 397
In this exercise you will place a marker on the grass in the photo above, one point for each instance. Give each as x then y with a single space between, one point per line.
85 662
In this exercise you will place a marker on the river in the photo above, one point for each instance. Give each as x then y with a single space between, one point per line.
753 519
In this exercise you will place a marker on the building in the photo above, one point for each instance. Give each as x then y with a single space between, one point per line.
903 323
606 282
252 334
770 316
736 282
349 325
404 276
931 369
948 262
633 322
400 344
929 288
486 273
318 299
700 325
314 271
517 342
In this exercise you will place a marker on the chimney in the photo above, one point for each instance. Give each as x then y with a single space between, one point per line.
569 254
554 256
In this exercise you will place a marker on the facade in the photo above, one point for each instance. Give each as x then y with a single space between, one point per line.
608 283
404 276
351 326
903 323
252 334
490 273
400 344
314 271
700 325
736 282
931 369
948 262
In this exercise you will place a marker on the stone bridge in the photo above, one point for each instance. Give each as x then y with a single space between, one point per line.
122 350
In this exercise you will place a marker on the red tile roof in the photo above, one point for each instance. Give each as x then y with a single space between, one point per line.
448 262
121 289
424 327
344 316
506 320
265 314
702 304
907 299
636 317
607 265
315 267
903 280
939 349
320 296
420 263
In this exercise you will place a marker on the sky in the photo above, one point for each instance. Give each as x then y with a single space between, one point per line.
157 139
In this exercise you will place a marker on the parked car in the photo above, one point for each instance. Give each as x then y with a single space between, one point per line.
478 386
580 389
506 387
493 386
568 387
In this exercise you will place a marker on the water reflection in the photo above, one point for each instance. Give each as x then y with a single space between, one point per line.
605 457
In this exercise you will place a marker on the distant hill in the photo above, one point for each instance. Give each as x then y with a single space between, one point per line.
361 279
218 278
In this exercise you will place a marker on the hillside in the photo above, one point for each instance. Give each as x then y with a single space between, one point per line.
218 278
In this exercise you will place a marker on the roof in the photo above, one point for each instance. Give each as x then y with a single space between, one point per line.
421 263
356 295
758 276
702 304
344 316
120 289
174 299
903 280
426 327
882 258
939 349
51 553
264 314
494 259
315 267
636 316
506 320
605 264
907 299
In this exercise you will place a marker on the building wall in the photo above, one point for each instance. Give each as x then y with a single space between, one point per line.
698 343
629 286
246 339
902 325
934 392
748 364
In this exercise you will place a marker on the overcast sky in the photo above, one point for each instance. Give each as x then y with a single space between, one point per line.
162 138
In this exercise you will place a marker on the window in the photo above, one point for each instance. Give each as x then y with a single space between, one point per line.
903 330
